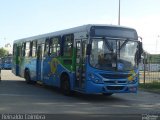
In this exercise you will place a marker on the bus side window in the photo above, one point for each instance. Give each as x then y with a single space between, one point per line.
34 48
39 53
46 50
14 49
27 49
68 45
22 52
55 46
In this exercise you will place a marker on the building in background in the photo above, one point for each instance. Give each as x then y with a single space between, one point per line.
8 47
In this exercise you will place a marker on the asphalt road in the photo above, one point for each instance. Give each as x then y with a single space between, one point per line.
18 97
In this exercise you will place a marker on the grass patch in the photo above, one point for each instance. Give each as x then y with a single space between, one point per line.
153 85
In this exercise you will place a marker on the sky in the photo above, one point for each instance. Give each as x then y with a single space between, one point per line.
25 18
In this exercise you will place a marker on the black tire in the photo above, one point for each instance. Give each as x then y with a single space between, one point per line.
107 94
27 77
65 85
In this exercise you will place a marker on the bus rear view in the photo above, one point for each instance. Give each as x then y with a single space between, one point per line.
113 57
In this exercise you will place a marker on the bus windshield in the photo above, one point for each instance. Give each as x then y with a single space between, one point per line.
114 54
8 60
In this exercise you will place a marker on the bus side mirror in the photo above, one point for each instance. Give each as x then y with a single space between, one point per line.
140 49
88 51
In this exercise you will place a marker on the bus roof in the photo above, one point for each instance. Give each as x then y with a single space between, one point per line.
68 31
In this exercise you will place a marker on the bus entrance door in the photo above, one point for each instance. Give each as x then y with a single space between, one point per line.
80 63
40 54
17 60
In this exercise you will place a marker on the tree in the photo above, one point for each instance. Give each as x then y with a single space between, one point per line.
3 52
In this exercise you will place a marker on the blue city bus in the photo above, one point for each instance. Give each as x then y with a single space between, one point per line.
90 59
7 62
1 63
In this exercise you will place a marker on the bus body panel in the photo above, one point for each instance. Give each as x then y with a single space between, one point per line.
31 66
53 70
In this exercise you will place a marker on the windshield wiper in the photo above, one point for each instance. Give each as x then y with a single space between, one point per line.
108 45
124 43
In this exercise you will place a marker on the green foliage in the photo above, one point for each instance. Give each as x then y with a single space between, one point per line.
153 58
3 52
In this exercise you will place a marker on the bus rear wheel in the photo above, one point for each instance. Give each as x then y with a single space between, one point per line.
27 77
65 85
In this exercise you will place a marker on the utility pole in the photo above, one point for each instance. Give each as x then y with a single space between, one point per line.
119 13
156 44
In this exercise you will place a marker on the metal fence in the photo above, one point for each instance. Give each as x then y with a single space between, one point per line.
150 69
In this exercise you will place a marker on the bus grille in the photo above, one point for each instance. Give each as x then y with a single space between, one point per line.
115 82
115 76
115 87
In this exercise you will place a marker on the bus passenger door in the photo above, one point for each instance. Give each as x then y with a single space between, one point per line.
80 63
40 53
17 60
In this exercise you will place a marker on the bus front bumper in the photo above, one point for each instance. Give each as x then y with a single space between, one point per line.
115 88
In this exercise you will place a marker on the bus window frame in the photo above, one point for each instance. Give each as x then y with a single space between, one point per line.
35 49
57 53
47 49
28 49
23 49
64 46
14 49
